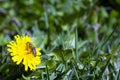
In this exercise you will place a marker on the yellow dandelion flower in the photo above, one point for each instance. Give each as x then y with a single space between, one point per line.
22 51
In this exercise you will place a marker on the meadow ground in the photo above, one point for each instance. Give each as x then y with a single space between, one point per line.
59 40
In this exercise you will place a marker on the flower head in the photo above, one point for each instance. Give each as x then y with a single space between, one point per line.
23 51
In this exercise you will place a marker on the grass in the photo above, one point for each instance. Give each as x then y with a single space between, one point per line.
71 46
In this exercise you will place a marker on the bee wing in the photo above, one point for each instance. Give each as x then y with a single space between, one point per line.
34 51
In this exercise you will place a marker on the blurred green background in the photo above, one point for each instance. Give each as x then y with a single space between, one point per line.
79 39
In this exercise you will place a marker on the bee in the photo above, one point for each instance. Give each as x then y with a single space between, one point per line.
30 48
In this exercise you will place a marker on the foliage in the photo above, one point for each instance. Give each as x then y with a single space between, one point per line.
79 39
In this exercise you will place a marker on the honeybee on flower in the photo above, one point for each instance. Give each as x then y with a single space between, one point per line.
23 51
30 48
